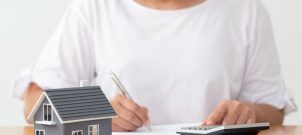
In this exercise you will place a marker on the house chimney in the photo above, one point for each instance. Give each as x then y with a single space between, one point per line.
84 83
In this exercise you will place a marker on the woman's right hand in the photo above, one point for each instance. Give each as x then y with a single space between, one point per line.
131 115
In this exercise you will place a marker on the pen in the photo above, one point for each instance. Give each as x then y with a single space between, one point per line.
124 92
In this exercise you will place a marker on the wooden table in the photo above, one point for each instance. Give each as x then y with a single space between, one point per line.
274 130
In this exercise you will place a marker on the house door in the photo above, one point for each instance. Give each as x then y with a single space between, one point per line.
40 132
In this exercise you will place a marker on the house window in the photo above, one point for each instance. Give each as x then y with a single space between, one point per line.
47 112
79 132
40 132
93 130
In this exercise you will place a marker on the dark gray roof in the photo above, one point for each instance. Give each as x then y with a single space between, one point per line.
80 103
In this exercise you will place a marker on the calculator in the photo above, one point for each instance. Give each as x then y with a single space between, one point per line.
242 129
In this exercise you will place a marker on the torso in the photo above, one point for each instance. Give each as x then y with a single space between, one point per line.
182 63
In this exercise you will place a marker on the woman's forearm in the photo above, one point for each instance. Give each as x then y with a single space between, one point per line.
30 98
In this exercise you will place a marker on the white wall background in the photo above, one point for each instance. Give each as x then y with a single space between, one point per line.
25 26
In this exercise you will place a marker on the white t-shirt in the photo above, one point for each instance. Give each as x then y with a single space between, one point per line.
179 64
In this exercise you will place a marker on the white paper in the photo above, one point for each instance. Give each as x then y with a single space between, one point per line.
157 130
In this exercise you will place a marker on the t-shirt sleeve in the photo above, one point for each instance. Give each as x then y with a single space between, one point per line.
67 58
263 83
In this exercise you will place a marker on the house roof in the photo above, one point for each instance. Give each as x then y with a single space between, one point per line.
78 104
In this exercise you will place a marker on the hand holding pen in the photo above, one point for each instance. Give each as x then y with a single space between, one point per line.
130 114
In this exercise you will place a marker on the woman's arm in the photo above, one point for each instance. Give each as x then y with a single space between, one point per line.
30 98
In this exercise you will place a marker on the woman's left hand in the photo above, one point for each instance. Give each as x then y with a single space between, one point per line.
231 112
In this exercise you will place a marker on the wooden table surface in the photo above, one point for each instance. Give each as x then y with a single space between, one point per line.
274 130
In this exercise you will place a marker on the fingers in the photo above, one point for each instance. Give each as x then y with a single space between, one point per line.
247 116
117 128
136 109
234 112
124 124
243 118
231 112
251 120
130 115
217 116
145 109
230 119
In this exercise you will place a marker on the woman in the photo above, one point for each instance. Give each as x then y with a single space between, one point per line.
208 61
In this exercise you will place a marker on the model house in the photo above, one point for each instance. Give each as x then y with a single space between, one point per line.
72 111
